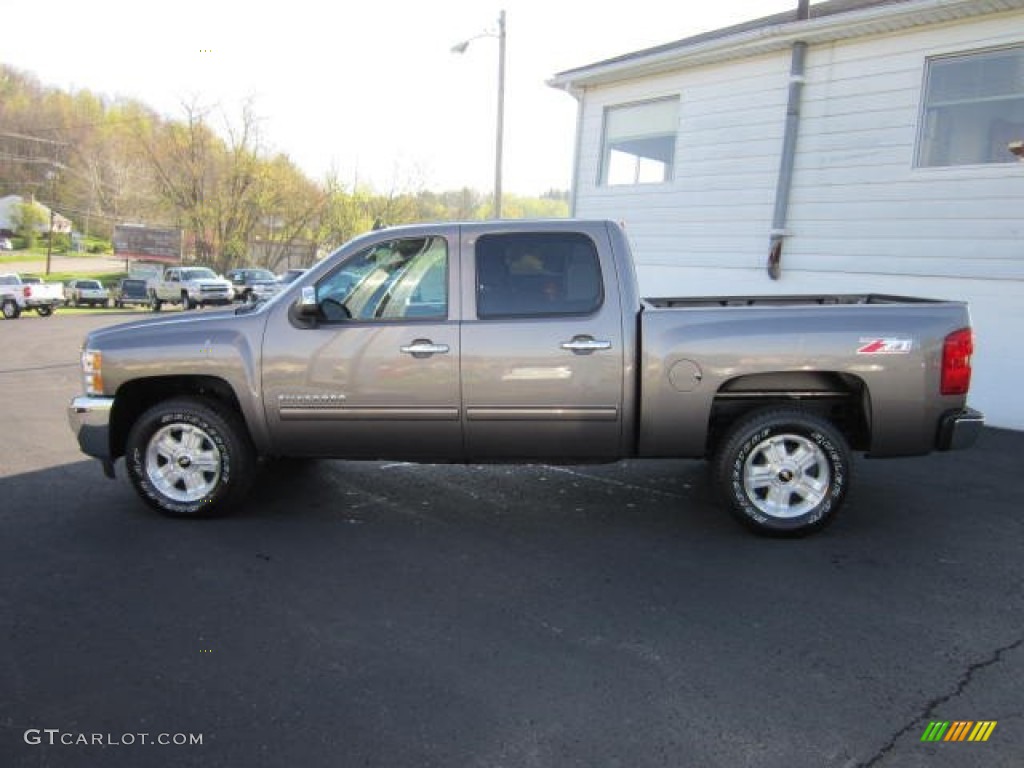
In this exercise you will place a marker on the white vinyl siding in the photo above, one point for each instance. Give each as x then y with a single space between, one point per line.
864 215
718 201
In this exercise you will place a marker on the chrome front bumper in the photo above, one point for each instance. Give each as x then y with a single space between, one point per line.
89 418
959 429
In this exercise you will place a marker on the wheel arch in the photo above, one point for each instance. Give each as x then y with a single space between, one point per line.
841 398
135 397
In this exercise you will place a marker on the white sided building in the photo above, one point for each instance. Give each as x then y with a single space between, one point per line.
852 146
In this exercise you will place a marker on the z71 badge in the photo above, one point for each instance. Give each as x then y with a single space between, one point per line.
885 346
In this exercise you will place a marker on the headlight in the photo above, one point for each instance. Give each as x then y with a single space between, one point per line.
92 371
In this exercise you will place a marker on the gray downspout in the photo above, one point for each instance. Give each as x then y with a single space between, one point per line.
574 183
785 181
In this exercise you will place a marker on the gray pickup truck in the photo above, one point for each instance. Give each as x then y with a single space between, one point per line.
526 342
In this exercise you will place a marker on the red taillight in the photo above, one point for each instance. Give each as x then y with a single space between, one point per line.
27 293
956 362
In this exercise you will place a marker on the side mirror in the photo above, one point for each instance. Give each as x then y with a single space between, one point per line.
306 304
304 313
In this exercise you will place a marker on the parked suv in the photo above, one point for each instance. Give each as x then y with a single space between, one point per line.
252 285
87 292
131 291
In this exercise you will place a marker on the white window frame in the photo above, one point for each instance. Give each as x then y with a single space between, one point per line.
922 148
669 168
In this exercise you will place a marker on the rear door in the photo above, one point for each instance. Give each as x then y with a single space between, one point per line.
542 347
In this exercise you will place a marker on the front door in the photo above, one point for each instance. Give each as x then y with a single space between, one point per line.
376 375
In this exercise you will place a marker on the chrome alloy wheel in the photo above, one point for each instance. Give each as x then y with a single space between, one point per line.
786 476
183 462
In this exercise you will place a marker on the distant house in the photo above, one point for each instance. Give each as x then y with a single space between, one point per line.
901 179
9 214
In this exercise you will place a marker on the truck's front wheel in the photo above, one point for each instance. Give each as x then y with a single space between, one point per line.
187 457
783 471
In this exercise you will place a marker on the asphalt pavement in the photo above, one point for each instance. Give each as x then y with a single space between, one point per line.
387 614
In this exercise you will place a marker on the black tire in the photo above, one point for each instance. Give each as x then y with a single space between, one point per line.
783 472
11 310
186 302
44 310
154 302
199 432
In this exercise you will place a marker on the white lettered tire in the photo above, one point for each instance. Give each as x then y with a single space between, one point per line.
783 472
189 457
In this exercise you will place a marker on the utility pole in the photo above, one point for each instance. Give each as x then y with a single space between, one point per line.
498 150
52 176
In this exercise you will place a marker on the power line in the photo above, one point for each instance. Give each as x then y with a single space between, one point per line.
23 137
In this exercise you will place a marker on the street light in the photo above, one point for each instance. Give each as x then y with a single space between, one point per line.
461 48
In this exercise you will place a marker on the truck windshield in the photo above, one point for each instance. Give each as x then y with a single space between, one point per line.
201 273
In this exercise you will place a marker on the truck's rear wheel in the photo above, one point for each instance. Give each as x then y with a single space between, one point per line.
783 471
154 302
11 309
44 310
188 458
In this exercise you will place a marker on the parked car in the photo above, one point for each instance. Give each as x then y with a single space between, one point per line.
6 244
90 293
131 291
528 342
252 284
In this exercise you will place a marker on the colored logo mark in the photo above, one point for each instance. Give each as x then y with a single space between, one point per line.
959 730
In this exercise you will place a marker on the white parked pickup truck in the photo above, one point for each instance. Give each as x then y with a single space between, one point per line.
191 287
87 292
17 294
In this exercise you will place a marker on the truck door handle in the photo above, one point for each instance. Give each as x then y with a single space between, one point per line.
424 348
584 345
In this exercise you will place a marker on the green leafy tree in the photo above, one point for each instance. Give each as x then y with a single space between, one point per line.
29 219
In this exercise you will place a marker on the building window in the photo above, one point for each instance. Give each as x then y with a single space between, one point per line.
973 108
640 142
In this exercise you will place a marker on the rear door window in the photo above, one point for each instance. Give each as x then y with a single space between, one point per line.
525 274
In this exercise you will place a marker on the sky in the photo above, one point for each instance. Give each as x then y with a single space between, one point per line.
369 91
